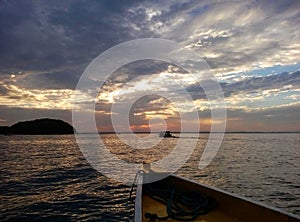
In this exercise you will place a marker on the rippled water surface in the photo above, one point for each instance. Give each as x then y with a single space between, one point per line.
46 178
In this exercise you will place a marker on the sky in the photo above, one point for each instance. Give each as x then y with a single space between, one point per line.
251 47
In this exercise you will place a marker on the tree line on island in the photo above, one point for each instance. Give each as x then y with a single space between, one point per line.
44 126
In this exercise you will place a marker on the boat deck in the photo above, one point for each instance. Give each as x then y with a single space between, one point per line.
228 207
216 215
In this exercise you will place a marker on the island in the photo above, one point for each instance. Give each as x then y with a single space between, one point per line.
44 126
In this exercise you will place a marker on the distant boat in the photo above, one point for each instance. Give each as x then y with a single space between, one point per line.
165 134
178 199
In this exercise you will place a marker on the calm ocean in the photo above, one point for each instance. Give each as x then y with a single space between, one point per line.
46 178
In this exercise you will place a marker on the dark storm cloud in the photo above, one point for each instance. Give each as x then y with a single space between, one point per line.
26 41
43 35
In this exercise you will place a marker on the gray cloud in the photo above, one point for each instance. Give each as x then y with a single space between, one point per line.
47 45
14 115
55 34
138 68
66 79
36 35
237 36
273 119
254 84
3 90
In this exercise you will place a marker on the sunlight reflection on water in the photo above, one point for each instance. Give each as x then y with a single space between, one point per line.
47 178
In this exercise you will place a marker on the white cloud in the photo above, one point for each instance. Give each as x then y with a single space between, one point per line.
36 98
236 36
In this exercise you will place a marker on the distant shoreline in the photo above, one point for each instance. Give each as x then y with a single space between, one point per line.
280 132
47 126
43 126
106 133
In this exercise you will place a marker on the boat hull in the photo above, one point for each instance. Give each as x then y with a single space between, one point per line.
229 207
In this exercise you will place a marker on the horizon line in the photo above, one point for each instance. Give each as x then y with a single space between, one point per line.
177 132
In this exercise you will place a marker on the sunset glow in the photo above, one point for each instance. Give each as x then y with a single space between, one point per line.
252 48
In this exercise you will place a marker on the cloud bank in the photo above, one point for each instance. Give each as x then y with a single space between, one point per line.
252 47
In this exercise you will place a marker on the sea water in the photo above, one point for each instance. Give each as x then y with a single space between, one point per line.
46 178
